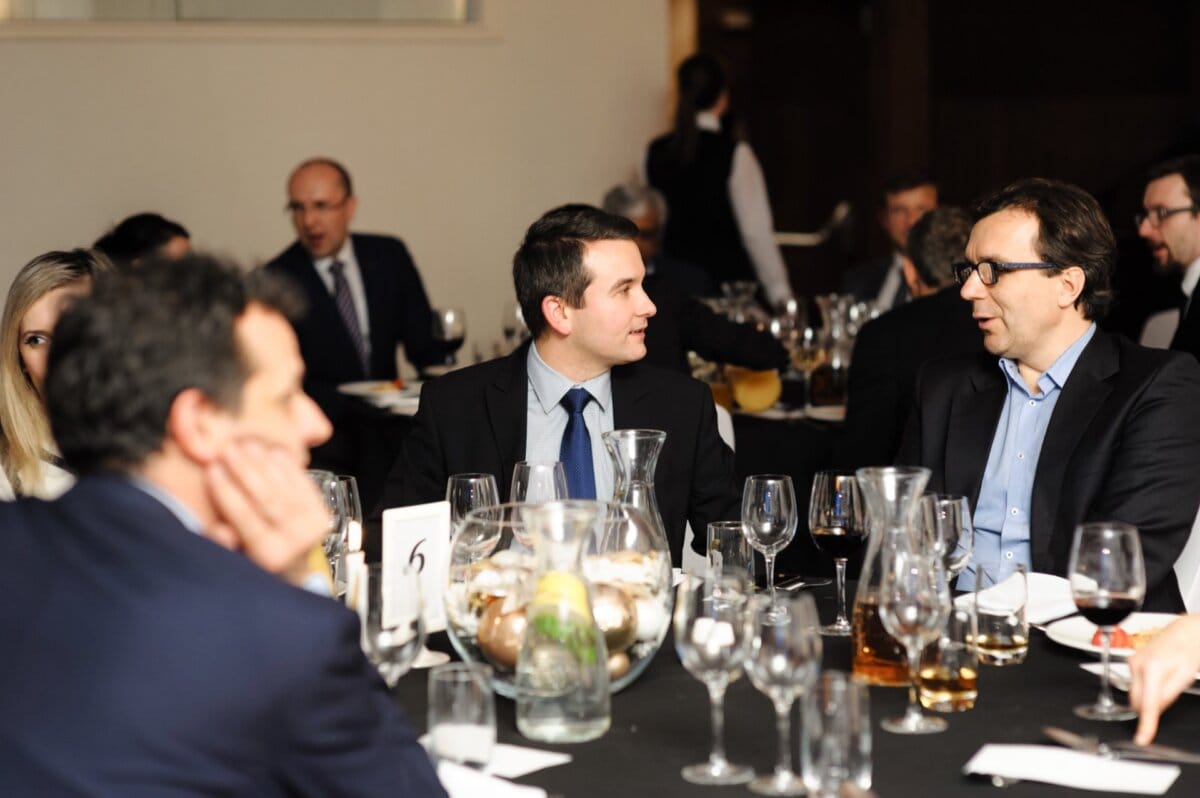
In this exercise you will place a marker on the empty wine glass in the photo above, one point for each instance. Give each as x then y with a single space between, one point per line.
348 487
450 328
838 525
710 631
1108 581
393 631
782 661
946 522
769 518
335 536
467 492
538 482
512 326
914 599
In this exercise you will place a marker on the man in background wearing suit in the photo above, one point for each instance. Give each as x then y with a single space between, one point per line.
148 650
1170 223
890 350
906 198
1059 422
578 277
364 296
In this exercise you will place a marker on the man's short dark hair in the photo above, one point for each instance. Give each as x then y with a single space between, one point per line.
550 259
938 241
1186 166
139 236
1072 231
122 355
343 172
905 181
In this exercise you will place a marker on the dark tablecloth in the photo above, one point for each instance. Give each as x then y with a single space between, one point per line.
660 723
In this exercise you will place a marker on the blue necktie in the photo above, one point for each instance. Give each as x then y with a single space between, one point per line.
576 449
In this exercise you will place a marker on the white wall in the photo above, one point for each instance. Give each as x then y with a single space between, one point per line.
455 145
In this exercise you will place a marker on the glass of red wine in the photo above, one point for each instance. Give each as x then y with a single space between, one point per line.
837 523
1108 582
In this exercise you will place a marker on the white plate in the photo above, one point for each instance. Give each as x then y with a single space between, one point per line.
1077 631
381 393
825 412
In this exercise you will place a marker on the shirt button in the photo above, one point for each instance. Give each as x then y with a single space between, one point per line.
1020 455
1013 511
1008 555
1032 403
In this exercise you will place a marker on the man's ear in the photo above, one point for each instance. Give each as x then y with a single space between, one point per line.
557 314
197 426
1072 282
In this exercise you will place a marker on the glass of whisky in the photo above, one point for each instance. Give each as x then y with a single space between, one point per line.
949 672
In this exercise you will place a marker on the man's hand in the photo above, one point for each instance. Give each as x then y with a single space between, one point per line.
1161 671
267 507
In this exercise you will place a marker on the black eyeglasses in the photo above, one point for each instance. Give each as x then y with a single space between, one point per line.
990 271
1156 215
320 207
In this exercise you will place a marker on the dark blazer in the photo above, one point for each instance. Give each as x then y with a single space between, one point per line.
1123 445
888 353
473 420
397 309
683 323
140 659
863 280
1187 334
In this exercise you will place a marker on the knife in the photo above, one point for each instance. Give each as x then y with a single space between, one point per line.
1120 749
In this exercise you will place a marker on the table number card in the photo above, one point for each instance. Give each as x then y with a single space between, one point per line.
420 536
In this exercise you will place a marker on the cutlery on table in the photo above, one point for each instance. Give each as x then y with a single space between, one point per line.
1120 749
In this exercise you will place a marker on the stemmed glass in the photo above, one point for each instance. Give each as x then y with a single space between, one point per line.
538 482
467 492
348 487
513 326
782 661
1108 581
769 518
914 600
946 522
838 525
335 537
393 631
450 328
710 632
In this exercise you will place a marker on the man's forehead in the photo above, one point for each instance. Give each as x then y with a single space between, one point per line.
264 337
915 194
611 260
1010 233
1167 186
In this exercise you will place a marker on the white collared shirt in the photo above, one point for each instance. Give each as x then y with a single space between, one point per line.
354 279
886 298
1190 278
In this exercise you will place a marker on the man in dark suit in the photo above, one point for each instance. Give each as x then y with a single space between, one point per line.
1072 424
890 350
906 198
578 278
148 650
364 297
1170 223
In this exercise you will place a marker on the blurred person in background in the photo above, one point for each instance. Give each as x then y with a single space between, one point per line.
37 297
1169 223
720 216
142 236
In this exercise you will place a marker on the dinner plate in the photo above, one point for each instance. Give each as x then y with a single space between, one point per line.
381 393
1077 631
825 412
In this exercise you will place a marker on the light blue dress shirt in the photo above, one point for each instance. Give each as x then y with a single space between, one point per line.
546 419
1002 512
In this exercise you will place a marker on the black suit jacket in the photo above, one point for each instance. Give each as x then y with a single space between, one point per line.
141 659
397 309
1123 445
1187 334
474 420
888 353
863 280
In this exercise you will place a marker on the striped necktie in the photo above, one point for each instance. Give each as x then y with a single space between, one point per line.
345 306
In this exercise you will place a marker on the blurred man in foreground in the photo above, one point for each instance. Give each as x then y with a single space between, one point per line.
152 646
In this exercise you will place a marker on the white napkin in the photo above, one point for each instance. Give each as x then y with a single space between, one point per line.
1049 597
1054 765
464 782
513 761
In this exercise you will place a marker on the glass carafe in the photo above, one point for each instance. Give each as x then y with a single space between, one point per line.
891 495
562 670
634 454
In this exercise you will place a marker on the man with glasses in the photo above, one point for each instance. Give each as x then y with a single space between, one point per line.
1170 223
1059 422
364 296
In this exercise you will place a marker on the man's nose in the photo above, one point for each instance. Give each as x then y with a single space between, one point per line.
314 425
1145 229
973 288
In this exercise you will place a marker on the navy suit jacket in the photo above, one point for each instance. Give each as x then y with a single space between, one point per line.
1123 445
474 420
397 309
141 659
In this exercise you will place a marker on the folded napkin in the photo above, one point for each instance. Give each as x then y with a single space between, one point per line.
513 761
1054 765
464 782
1049 597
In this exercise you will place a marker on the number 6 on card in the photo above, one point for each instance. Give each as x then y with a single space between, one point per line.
420 536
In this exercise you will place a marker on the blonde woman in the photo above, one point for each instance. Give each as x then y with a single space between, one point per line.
29 463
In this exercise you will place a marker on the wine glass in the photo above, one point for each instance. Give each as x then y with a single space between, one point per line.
782 661
946 522
450 328
838 527
914 600
1108 581
335 536
467 492
710 632
393 631
513 326
538 482
769 518
348 488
